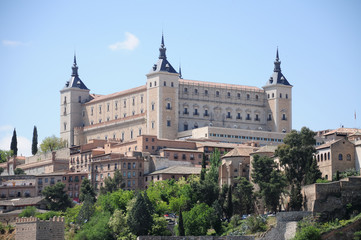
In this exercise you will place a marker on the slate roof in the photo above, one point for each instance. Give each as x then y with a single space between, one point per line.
277 77
75 81
162 65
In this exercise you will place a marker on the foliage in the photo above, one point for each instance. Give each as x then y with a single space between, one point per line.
52 143
313 173
34 146
203 171
119 227
228 206
270 181
197 220
181 231
29 211
86 211
139 218
48 215
86 189
243 199
97 228
308 233
255 224
321 180
357 235
1 170
19 171
159 227
71 214
112 184
296 157
4 155
56 198
215 162
347 173
14 144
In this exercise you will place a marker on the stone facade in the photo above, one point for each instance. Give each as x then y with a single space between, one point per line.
33 228
168 105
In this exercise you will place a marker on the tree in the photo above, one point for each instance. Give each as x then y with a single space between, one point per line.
180 224
269 179
5 155
296 157
313 173
56 198
119 227
203 171
197 221
14 144
19 171
87 210
29 211
139 218
1 170
113 184
229 204
52 143
243 196
34 146
86 189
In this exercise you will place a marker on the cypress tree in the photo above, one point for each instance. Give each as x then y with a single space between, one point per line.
14 144
203 171
180 224
34 147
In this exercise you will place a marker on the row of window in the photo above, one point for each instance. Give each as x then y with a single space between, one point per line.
218 94
246 137
324 156
79 99
164 84
184 156
273 95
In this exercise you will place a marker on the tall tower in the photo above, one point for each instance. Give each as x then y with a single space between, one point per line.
279 98
162 94
72 96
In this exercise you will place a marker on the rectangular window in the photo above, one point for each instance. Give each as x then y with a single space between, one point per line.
168 123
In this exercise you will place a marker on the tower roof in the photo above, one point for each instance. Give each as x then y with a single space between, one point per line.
75 81
277 77
162 65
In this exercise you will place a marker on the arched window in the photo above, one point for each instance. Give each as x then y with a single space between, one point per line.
318 158
321 157
286 95
273 95
248 97
325 156
280 95
348 157
328 154
256 97
340 156
217 93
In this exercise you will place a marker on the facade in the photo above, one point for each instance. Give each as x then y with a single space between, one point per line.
168 105
16 186
34 228
335 155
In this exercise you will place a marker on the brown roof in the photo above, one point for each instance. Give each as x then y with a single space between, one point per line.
98 98
178 170
345 131
220 85
328 144
22 201
240 151
267 148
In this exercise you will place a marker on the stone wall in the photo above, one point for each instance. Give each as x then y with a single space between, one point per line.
60 154
33 228
195 238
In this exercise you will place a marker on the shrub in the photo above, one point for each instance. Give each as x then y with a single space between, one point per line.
29 211
255 224
308 233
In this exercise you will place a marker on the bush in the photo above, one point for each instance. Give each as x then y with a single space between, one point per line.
28 212
357 235
308 233
255 224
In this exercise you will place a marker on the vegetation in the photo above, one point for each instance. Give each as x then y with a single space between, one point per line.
52 143
14 143
347 173
34 146
19 171
55 196
5 155
87 190
29 211
113 184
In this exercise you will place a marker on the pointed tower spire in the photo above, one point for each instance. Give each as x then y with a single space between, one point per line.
277 63
180 72
75 68
162 49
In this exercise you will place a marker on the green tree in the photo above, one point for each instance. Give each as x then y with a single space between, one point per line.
56 198
1 170
119 227
29 211
243 196
180 224
97 228
34 146
313 173
87 210
215 162
52 143
112 184
14 143
5 155
86 189
139 217
159 227
19 171
197 221
308 233
203 171
229 204
270 181
296 156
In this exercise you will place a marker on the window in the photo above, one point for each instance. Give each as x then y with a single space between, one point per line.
196 91
192 156
100 109
328 154
115 166
185 111
273 95
256 97
238 95
284 117
248 117
217 93
108 106
134 165
131 134
175 155
340 157
257 119
169 106
185 126
64 100
184 157
185 90
152 106
239 116
280 95
206 113
116 105
150 84
64 126
348 157
228 94
267 95
229 115
165 83
139 132
206 92
129 175
133 101
286 96
91 111
248 96
171 84
269 117
195 112
141 99
168 123
152 125
125 103
122 136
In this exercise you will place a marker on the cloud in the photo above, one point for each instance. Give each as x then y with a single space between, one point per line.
24 144
130 43
13 43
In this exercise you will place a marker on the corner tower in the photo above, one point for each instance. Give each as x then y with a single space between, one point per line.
162 94
279 100
72 96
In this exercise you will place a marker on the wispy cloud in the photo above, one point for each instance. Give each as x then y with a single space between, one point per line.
130 43
13 43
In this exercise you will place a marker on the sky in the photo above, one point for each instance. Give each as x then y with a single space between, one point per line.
228 41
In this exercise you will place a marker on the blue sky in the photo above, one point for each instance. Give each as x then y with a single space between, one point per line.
117 43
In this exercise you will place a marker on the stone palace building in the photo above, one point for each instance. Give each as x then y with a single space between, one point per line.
171 107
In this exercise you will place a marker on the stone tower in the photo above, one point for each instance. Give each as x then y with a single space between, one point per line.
279 99
162 94
72 96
